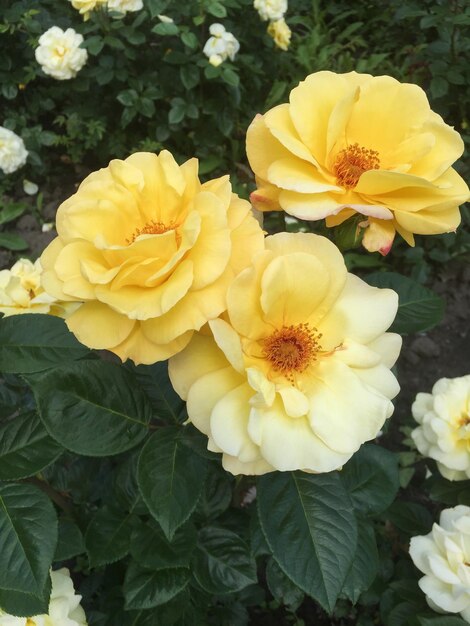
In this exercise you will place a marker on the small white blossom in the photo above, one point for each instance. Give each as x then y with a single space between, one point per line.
47 227
165 19
59 53
125 6
443 433
270 9
13 154
444 557
30 188
221 45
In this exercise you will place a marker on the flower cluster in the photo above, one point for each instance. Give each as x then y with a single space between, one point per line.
59 53
274 10
444 430
349 144
21 292
121 6
221 45
444 557
64 606
13 154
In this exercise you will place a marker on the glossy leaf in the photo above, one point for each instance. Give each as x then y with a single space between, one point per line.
92 408
28 532
25 604
171 477
71 541
365 563
309 523
32 343
145 588
108 536
151 548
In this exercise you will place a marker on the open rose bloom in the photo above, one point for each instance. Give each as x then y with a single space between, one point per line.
297 373
444 557
443 433
149 252
349 144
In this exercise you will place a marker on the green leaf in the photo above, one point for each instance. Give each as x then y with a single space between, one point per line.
151 548
93 44
32 343
410 517
177 112
25 604
144 588
230 77
217 493
441 621
12 211
217 9
92 407
419 308
11 241
189 39
71 542
372 479
449 492
309 523
9 91
165 28
108 536
28 528
222 561
25 447
170 477
189 75
365 564
155 382
166 614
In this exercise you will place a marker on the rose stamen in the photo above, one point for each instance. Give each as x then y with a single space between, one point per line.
153 228
352 162
291 349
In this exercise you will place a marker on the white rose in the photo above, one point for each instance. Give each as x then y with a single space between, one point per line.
59 53
21 292
444 431
444 557
13 154
124 6
221 45
270 9
64 606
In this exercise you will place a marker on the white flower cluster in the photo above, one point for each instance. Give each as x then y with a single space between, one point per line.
64 606
13 154
121 6
274 10
21 292
443 433
270 9
59 53
221 46
444 557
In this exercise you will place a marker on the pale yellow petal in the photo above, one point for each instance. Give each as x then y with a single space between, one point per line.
139 349
262 148
254 468
296 175
229 342
388 346
379 236
99 327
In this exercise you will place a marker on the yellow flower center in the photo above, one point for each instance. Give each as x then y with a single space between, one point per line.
292 348
152 228
60 51
352 162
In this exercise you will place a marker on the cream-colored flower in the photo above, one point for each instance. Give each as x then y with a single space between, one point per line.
165 19
30 188
270 9
353 143
64 606
13 154
125 6
150 251
444 431
21 292
221 45
297 374
59 53
281 33
85 7
444 557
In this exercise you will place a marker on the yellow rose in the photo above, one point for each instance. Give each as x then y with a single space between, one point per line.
297 376
150 251
84 7
444 426
21 292
281 33
353 143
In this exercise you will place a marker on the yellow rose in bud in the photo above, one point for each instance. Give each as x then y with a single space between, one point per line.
84 7
354 143
150 251
443 433
297 374
281 33
21 292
